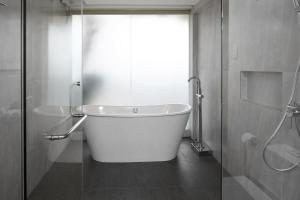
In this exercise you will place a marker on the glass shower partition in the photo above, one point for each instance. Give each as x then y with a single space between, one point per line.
53 164
10 100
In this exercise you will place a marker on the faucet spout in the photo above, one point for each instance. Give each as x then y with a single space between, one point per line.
194 78
198 82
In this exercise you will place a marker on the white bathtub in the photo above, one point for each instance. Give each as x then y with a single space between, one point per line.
135 134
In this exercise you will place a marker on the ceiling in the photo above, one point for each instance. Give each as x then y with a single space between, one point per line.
142 2
184 4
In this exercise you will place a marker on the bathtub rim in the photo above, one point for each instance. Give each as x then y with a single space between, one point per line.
186 110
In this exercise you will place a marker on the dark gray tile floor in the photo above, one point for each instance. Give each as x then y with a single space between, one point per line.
62 182
232 190
188 177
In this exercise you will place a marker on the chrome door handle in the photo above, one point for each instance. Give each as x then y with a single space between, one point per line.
67 133
3 4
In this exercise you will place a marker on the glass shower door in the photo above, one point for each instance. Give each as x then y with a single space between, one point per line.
53 164
10 100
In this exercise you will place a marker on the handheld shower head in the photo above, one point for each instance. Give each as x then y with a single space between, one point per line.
292 110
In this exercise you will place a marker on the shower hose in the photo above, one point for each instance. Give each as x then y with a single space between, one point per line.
276 132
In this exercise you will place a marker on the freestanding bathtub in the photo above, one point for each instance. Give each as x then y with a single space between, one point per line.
135 134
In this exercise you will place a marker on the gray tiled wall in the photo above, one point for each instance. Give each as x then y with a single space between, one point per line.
263 38
209 71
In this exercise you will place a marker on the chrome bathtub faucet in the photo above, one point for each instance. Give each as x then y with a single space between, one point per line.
135 110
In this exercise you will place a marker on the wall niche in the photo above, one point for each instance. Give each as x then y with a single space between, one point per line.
263 88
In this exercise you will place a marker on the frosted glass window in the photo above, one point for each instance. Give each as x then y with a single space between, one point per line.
135 59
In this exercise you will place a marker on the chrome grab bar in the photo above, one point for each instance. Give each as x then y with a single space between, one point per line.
3 4
67 133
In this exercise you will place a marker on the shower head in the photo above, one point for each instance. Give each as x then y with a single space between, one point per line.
296 5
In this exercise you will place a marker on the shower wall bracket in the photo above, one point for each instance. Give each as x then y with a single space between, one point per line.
293 110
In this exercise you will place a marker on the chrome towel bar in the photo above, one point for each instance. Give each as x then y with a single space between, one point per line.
67 133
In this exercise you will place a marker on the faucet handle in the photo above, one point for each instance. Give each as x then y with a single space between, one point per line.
200 96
